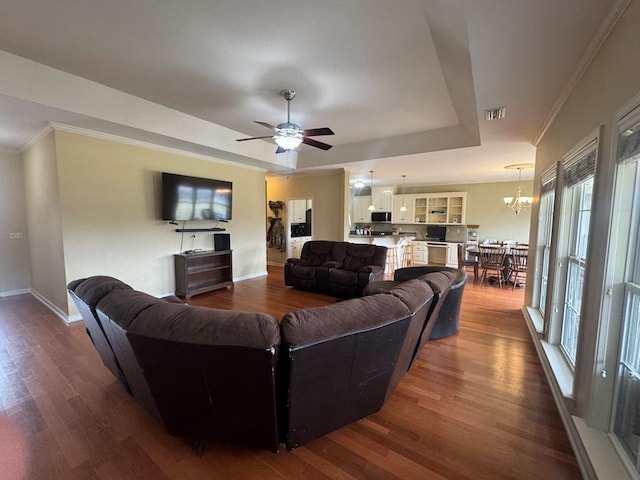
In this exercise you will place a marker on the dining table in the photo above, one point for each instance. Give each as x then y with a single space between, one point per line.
508 262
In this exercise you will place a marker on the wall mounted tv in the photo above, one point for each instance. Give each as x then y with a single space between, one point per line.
195 199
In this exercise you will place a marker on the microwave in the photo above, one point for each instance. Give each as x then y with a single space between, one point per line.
380 216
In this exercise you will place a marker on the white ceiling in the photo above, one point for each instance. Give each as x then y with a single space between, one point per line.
403 84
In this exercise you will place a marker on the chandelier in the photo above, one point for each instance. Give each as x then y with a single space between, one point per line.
519 202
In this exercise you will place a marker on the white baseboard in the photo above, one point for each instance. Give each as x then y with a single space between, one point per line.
594 451
251 275
67 319
10 293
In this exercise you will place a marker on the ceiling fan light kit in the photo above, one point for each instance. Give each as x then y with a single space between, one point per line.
288 135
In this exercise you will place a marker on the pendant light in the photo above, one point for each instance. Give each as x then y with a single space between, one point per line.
371 207
403 208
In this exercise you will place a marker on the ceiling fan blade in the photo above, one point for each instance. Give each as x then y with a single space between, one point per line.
316 143
253 138
265 124
315 132
280 150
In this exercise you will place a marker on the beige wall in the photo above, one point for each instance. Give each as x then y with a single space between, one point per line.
327 192
93 208
44 223
14 254
611 81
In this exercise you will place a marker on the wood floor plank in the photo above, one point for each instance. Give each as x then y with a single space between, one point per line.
474 406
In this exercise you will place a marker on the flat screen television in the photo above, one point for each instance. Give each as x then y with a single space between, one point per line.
187 198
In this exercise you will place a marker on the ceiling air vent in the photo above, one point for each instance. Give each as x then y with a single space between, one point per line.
495 113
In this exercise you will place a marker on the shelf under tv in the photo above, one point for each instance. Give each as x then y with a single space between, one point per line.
212 229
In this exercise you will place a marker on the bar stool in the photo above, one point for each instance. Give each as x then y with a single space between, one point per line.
392 259
407 253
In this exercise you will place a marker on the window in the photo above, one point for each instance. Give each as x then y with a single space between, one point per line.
626 418
578 170
576 266
545 224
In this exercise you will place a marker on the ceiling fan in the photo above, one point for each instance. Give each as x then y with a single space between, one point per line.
289 135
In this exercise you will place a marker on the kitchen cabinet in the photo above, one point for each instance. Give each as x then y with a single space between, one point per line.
298 210
420 253
294 247
402 217
452 255
382 198
446 208
360 209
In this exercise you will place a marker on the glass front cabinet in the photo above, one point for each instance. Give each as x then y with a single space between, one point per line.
446 208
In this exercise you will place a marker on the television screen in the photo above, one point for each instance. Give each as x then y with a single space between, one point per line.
195 199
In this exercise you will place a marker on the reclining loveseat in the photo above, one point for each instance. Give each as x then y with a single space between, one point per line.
341 269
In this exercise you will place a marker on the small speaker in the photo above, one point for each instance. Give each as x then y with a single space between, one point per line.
221 241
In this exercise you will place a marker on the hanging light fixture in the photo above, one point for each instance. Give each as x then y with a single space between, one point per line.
371 207
403 208
359 184
519 202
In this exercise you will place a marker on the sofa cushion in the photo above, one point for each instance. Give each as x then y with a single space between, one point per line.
91 290
311 325
382 286
438 281
343 277
413 293
304 272
358 256
207 326
318 252
123 306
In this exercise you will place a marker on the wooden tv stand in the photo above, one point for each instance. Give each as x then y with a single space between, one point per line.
202 272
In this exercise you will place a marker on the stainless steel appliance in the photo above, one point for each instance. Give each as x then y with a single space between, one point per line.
381 216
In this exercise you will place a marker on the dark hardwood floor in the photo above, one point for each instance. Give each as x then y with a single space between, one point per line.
474 406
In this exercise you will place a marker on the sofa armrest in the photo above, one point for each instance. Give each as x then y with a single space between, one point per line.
332 264
371 269
297 261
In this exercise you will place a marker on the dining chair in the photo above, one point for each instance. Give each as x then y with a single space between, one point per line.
465 262
492 259
519 265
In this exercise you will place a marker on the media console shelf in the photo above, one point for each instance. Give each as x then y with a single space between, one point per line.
212 229
202 272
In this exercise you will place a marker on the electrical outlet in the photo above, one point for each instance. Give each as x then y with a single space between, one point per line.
15 235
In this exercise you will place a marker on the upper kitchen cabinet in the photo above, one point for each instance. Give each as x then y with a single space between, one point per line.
447 208
382 198
398 216
360 209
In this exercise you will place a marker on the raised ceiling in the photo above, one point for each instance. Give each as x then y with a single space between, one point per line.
403 84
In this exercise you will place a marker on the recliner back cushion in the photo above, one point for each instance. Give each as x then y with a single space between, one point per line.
207 326
123 306
310 325
316 252
358 256
413 293
438 281
91 290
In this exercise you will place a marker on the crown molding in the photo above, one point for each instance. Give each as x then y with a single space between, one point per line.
589 55
35 138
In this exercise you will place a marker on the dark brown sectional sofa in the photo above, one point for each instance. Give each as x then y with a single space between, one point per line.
341 269
247 379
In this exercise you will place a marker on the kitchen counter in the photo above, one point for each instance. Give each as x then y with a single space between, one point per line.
381 238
